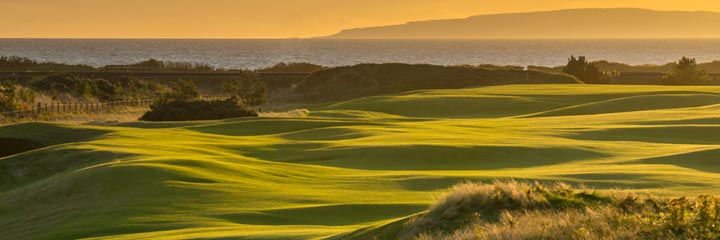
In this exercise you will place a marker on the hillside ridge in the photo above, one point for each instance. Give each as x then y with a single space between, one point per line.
566 23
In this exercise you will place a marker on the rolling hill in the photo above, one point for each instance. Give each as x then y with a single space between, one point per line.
352 165
364 80
572 23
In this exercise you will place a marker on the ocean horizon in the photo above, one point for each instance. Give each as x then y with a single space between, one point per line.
258 53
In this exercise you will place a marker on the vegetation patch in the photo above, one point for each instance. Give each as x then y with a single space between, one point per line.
181 103
344 83
519 210
197 110
298 67
77 86
355 173
14 97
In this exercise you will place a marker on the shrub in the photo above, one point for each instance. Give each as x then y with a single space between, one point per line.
197 110
13 97
180 91
247 88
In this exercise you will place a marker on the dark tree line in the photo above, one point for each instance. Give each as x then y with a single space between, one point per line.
153 65
684 72
13 63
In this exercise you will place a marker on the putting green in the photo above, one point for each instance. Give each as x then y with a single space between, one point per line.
351 165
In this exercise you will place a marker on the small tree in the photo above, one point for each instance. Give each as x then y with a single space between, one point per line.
585 71
247 88
686 72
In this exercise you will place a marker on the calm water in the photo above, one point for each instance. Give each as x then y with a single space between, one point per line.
261 53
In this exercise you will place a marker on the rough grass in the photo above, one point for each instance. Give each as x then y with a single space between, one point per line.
114 115
351 168
513 210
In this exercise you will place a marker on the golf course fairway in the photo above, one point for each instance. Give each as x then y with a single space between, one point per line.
351 165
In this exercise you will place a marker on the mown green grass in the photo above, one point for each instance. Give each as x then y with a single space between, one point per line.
352 165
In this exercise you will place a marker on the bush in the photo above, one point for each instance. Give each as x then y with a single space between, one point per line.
247 88
13 97
180 91
197 110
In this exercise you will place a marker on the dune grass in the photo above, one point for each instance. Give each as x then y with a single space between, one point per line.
519 210
352 166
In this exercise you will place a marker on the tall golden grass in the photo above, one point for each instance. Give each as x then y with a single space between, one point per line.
519 210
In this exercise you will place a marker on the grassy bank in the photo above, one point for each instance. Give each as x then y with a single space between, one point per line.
353 165
521 210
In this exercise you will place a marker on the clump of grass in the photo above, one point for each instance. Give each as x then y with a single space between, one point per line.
518 210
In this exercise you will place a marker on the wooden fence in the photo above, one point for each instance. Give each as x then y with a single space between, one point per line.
51 108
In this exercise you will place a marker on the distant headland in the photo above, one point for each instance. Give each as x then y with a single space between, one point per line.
561 24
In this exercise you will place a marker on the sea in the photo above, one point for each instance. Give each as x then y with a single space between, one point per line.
257 53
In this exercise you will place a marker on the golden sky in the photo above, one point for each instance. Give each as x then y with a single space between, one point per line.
263 18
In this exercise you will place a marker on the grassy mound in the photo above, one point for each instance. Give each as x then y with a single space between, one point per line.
51 134
525 101
514 210
362 167
637 103
364 80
